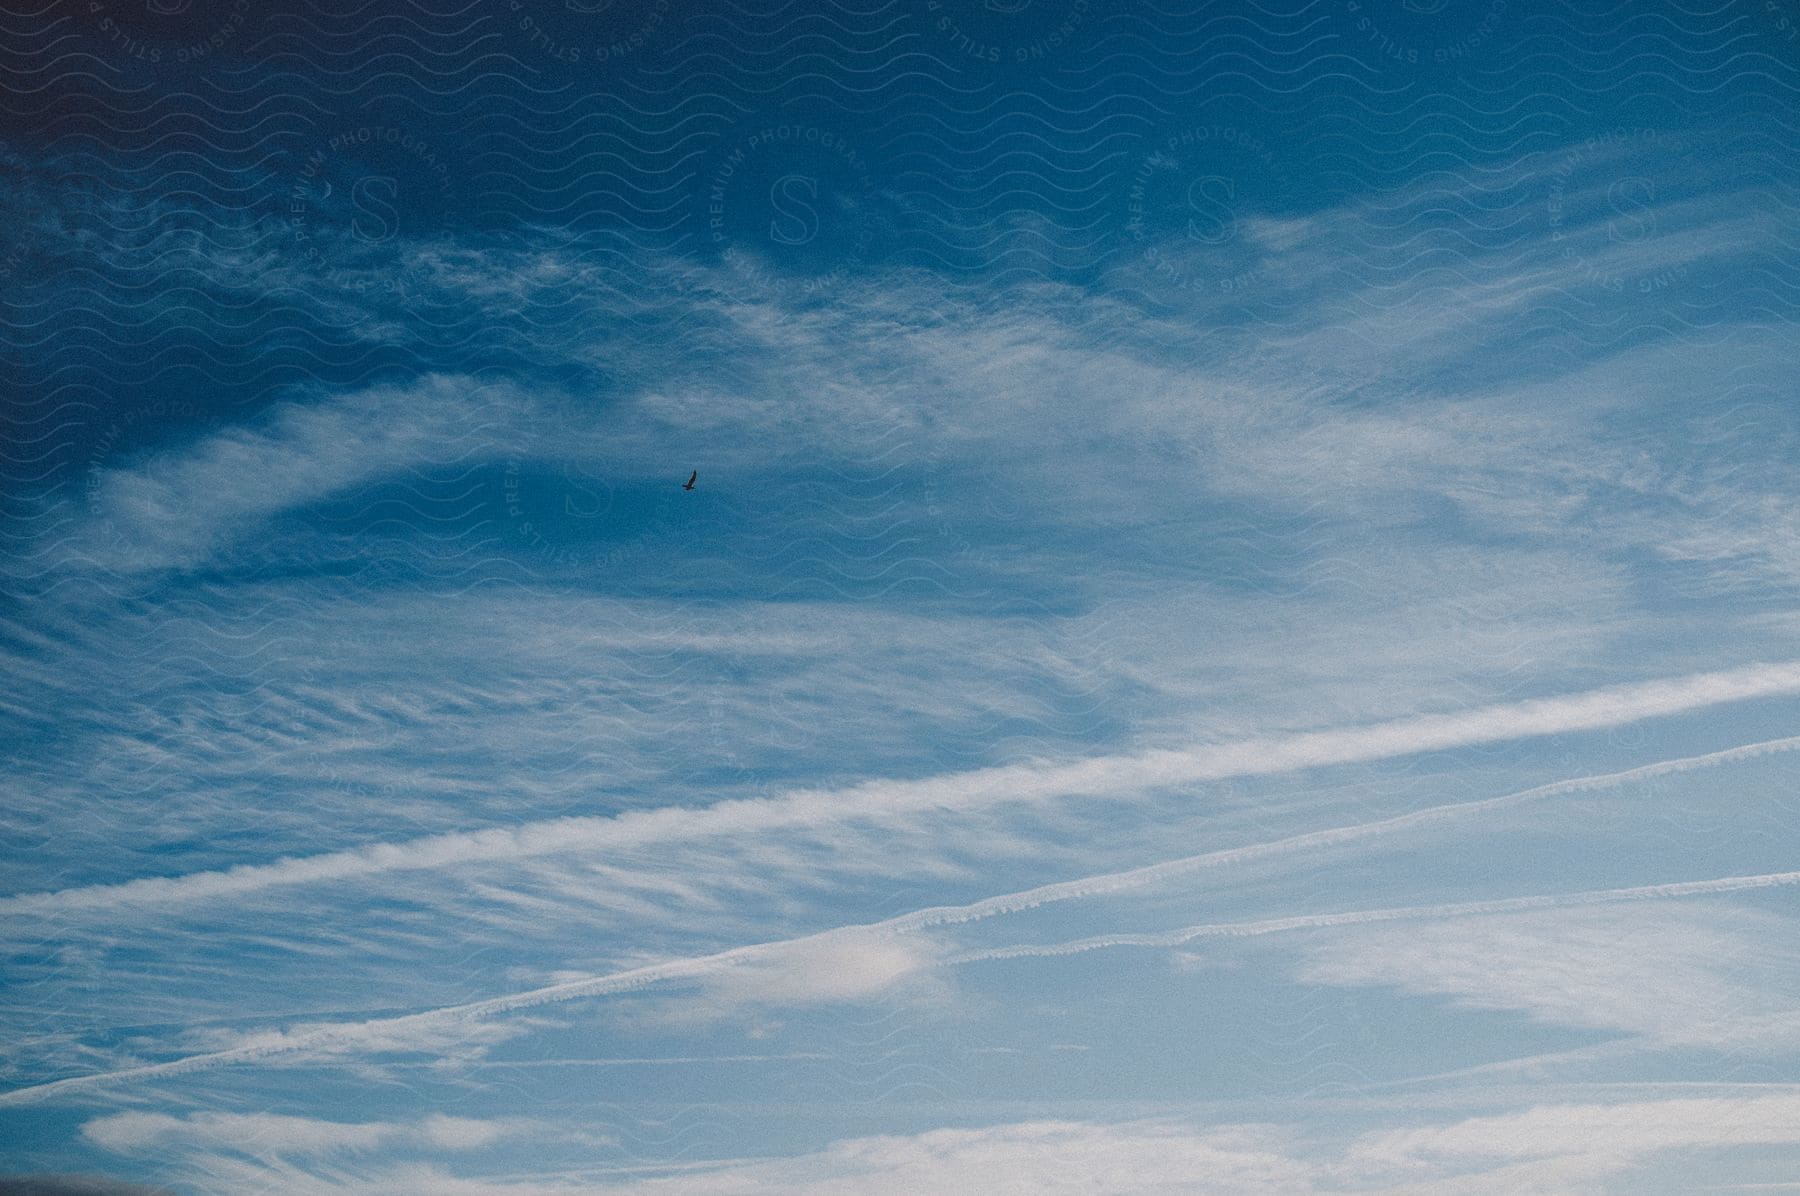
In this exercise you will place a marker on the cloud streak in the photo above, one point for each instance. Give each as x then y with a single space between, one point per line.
270 1133
874 959
1460 909
178 507
1120 777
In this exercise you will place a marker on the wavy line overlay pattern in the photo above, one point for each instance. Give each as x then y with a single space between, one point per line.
1234 629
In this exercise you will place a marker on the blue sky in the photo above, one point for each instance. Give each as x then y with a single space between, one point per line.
1236 630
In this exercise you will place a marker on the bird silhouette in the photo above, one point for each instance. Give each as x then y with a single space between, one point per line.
689 484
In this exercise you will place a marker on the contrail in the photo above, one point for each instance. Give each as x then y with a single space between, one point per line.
1112 882
384 1031
278 1042
1175 938
877 801
343 1036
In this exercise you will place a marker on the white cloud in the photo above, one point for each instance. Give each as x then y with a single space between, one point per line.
1673 976
1402 913
859 961
1558 1147
277 1135
1573 1144
1119 777
177 507
1067 419
843 965
1025 1158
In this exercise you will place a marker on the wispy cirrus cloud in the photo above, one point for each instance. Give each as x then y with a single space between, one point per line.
1554 1147
1579 1143
1118 777
853 963
1358 515
1672 977
177 507
1558 1146
278 1135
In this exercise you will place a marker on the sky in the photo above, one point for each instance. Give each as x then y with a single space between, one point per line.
1235 631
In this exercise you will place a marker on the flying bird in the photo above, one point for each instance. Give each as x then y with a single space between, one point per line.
689 484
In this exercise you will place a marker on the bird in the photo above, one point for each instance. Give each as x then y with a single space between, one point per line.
689 484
